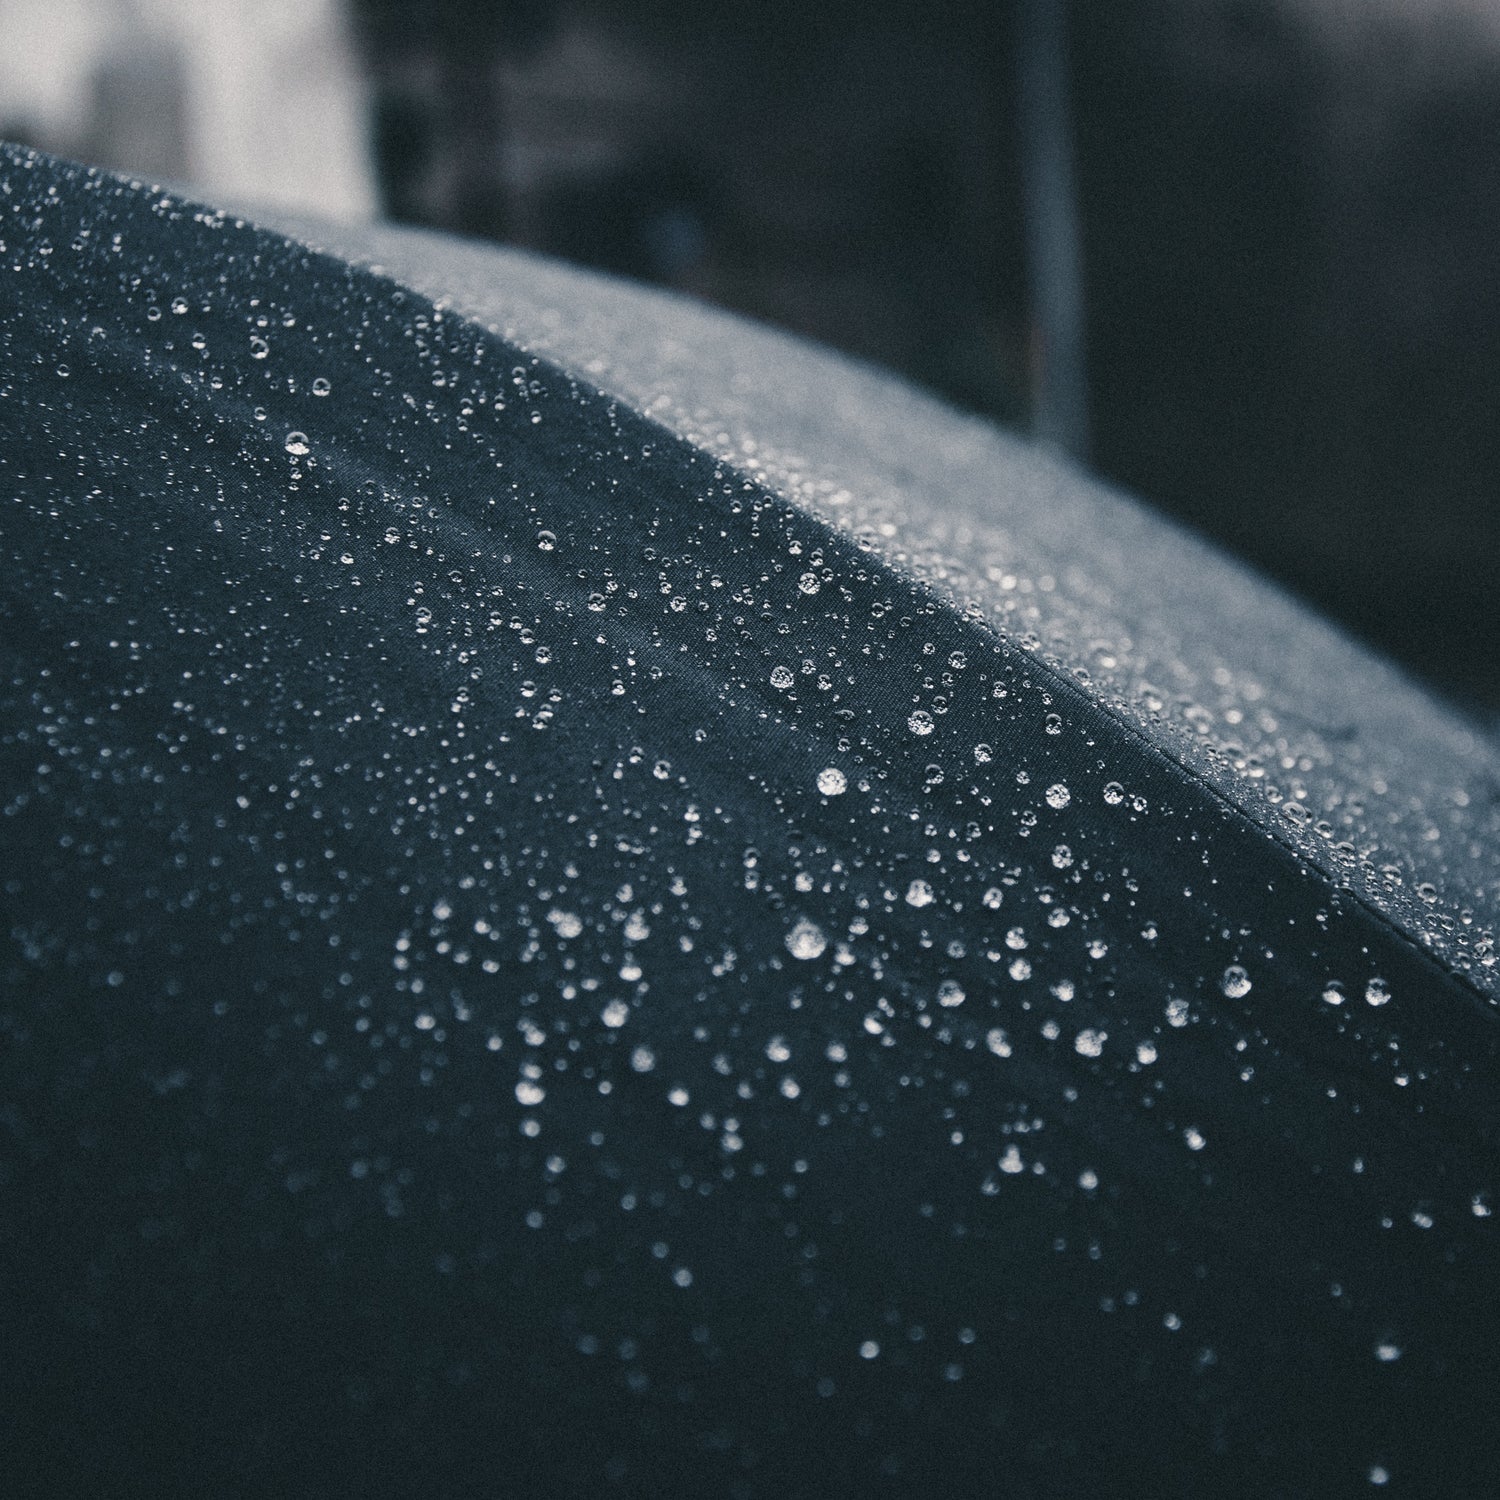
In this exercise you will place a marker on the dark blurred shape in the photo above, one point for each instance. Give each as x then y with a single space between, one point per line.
844 171
1290 215
1060 413
1295 321
439 127
139 107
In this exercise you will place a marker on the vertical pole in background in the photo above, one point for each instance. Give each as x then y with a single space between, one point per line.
1060 415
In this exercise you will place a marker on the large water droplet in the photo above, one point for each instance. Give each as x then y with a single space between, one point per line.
806 940
1235 983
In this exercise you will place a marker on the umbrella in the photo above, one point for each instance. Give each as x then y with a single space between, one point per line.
601 901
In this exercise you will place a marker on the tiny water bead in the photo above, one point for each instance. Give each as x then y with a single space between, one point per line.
297 445
546 541
809 583
1377 992
1058 795
615 1014
920 722
950 993
832 782
919 893
781 677
1114 793
806 940
321 386
1235 983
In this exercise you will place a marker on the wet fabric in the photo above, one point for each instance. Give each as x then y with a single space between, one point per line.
537 963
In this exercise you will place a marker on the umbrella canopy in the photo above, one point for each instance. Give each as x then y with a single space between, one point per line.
601 901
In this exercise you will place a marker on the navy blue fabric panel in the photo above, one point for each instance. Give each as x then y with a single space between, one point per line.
533 966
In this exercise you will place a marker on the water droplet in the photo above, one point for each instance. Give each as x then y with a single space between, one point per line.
615 1014
1387 1353
1052 723
529 1093
1333 993
809 583
832 782
997 1042
1090 1043
920 722
983 754
567 924
321 386
781 677
869 1349
806 940
643 1059
1377 992
1058 795
950 993
259 348
296 444
919 893
546 540
1235 983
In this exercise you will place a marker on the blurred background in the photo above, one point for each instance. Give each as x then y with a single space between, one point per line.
1241 256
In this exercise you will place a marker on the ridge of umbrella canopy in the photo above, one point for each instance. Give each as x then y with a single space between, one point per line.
537 954
1387 792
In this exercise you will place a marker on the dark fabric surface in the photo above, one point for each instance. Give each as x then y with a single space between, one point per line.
453 1044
